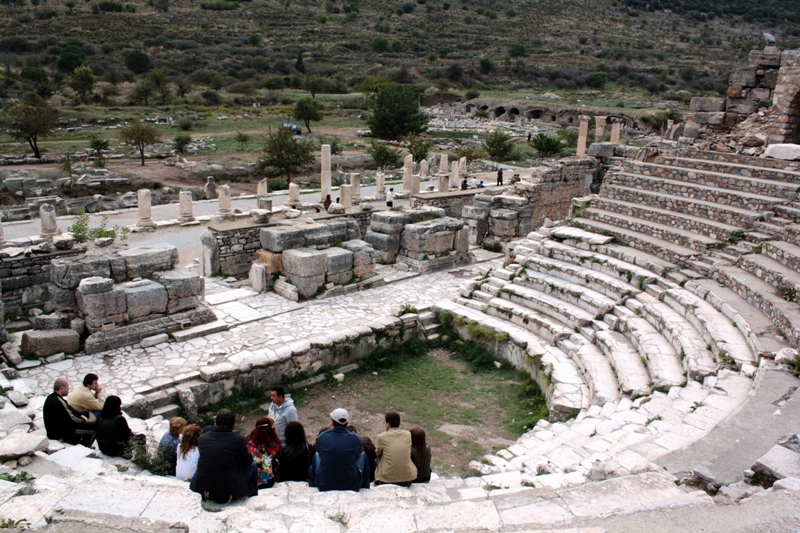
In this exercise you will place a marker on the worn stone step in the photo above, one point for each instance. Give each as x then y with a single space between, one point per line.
772 271
662 361
556 308
167 411
666 232
579 295
525 317
682 221
710 155
717 330
786 253
768 186
633 377
743 200
660 248
751 169
199 331
595 366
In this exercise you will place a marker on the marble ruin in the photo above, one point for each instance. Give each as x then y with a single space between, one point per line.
651 294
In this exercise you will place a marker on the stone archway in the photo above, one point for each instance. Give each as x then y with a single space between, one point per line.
513 113
499 111
786 100
534 114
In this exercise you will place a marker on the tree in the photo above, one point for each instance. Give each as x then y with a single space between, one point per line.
83 82
486 65
395 111
160 80
372 84
184 86
140 135
30 119
383 155
113 75
596 79
98 144
142 91
181 141
137 61
314 84
70 58
308 109
498 145
286 153
242 138
70 4
299 66
419 147
545 145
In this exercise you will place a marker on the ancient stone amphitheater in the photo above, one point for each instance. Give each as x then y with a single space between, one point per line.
650 320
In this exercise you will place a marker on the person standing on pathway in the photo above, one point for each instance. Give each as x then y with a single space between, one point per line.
282 411
499 176
390 198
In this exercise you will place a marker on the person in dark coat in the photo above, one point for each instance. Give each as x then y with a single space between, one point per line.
370 451
225 470
499 176
297 454
339 461
64 423
114 436
420 455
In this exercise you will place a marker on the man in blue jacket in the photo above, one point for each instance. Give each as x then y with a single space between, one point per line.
339 462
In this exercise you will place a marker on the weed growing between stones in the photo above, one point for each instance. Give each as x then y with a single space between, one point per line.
153 462
794 365
8 523
788 293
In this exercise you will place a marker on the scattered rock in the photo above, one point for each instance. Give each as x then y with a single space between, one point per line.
19 444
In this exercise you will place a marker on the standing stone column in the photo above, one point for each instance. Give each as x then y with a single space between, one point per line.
583 132
599 128
187 215
210 189
443 164
145 209
423 169
462 165
347 195
415 184
47 216
454 176
2 235
325 172
294 195
262 189
224 208
408 163
380 185
670 124
615 131
262 195
444 182
355 183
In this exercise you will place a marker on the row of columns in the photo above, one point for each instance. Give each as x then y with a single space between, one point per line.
600 124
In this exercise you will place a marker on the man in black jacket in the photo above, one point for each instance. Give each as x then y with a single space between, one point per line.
225 470
64 423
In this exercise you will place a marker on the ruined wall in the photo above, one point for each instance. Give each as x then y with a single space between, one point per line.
452 202
26 280
786 101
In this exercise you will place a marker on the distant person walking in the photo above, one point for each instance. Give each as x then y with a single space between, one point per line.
390 198
499 176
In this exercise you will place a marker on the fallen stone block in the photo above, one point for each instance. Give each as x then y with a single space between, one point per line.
600 149
338 260
280 238
180 283
778 462
785 152
44 343
19 444
155 339
103 308
789 483
17 398
707 104
95 285
68 273
143 261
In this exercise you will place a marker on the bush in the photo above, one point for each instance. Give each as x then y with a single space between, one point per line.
472 94
273 83
545 145
322 18
498 146
137 61
277 184
181 141
109 6
218 5
46 14
185 124
211 97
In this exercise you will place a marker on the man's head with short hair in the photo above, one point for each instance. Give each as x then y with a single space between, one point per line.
176 425
226 419
59 384
393 419
277 395
340 417
89 379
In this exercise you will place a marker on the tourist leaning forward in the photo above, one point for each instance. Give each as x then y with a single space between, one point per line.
88 396
282 411
394 454
339 460
225 469
62 421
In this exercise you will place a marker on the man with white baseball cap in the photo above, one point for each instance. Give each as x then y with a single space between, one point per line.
339 461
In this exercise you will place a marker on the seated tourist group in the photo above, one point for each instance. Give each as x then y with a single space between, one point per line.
222 465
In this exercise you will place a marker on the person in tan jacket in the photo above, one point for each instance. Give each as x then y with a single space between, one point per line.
394 453
88 396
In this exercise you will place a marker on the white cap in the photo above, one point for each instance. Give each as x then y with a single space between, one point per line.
340 416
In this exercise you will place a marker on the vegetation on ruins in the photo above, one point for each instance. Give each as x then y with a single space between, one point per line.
418 147
546 145
384 155
139 135
498 146
286 153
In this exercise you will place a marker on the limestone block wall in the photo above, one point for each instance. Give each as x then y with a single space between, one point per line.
237 247
452 202
786 101
434 244
264 367
26 281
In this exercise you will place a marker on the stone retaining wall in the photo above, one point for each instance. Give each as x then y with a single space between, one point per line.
740 159
452 202
776 172
26 280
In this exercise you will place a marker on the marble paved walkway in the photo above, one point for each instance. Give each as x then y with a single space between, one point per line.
256 321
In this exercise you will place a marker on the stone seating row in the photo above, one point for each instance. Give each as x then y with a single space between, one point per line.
722 157
762 170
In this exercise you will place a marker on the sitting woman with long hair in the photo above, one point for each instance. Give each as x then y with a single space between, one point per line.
114 436
264 445
188 452
297 454
420 455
